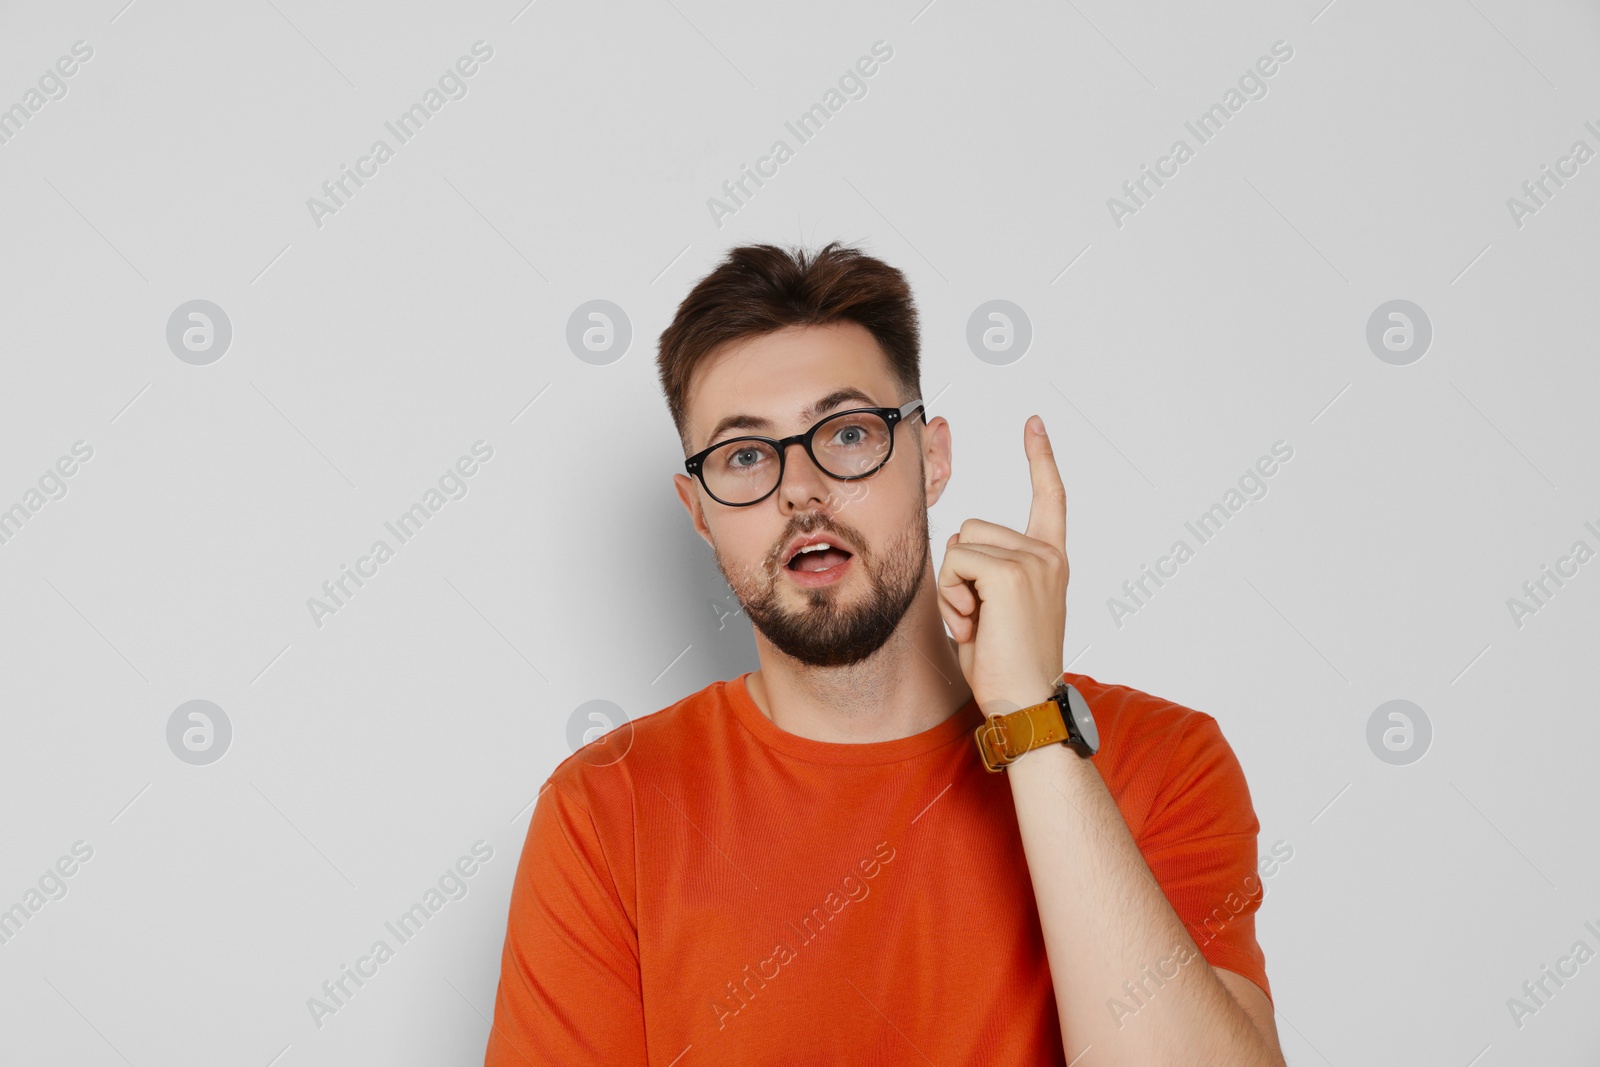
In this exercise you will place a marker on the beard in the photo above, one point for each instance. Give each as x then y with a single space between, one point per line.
825 633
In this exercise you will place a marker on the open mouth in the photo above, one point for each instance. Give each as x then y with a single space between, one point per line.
817 556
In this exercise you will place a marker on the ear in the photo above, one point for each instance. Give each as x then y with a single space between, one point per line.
936 458
689 492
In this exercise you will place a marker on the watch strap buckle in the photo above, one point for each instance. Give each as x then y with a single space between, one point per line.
1003 739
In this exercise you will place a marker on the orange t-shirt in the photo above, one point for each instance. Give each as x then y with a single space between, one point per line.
726 892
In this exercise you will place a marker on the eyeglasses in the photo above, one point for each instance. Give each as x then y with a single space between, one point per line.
847 445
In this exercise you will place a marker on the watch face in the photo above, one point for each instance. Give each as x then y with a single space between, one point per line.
1082 719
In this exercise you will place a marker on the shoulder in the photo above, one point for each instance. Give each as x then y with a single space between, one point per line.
587 814
1138 729
1156 755
1131 715
638 751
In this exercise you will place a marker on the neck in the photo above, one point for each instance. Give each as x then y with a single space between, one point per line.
911 684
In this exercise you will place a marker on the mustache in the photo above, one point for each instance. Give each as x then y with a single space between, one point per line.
774 559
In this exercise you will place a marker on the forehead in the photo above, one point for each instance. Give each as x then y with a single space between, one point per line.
777 375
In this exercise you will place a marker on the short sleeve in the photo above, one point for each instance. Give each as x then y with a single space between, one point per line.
1200 842
569 974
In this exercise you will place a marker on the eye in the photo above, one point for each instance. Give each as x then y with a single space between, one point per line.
742 459
850 435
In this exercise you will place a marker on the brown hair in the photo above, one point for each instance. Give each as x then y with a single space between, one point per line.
758 289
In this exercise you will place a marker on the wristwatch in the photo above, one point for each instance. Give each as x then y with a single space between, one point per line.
1065 717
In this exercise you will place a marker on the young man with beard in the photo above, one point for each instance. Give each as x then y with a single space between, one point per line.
871 849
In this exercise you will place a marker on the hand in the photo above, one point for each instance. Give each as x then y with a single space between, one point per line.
1003 594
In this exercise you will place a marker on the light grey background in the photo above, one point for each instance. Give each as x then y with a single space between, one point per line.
431 311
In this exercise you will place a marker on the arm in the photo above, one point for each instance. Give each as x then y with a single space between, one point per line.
1104 917
1107 922
569 975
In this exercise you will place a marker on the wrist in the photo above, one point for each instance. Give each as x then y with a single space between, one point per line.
1015 698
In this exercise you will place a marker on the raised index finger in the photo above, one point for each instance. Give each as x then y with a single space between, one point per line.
1047 519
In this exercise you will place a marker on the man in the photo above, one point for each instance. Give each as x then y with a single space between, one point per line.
812 863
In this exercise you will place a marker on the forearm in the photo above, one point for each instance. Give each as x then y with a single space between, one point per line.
1110 933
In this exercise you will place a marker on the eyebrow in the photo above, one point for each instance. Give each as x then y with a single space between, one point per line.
807 414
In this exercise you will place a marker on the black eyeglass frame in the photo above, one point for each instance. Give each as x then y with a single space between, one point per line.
695 464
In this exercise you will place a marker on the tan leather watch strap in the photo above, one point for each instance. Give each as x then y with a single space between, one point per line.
1003 739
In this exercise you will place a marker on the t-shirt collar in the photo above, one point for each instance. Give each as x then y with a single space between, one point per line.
960 724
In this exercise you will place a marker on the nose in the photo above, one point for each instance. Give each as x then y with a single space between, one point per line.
803 486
